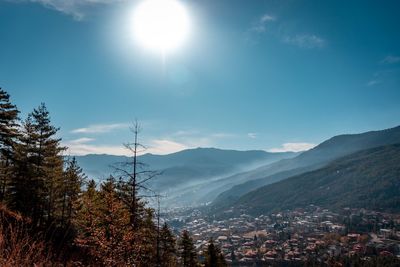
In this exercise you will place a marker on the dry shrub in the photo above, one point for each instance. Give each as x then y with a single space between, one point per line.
17 246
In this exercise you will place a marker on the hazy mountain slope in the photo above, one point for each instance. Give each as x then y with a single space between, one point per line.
188 169
322 154
227 198
210 161
97 166
367 179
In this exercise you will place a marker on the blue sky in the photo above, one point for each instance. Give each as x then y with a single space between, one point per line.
273 75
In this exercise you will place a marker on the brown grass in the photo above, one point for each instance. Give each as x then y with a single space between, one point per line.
17 246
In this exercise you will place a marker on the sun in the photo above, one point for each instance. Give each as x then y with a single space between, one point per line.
161 25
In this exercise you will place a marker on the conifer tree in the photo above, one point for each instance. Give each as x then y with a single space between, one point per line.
72 183
187 251
213 256
167 247
91 188
145 240
49 161
8 135
24 187
39 169
103 220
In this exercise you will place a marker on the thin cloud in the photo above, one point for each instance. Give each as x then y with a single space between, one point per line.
194 138
84 146
305 41
267 17
101 128
292 147
384 77
373 82
222 135
81 140
260 25
163 146
390 60
185 133
252 135
75 8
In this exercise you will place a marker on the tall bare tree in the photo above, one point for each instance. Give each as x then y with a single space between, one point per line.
133 177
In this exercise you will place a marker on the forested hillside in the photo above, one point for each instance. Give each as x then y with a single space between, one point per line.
368 179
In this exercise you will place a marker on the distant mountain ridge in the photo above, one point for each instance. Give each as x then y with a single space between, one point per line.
183 171
312 159
96 165
366 179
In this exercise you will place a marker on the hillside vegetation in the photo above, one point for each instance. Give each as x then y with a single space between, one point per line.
367 179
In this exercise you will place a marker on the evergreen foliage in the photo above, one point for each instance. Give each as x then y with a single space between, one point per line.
187 251
8 135
213 256
168 249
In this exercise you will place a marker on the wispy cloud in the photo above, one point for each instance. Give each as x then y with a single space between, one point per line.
84 146
81 140
264 24
195 138
260 25
163 146
252 135
222 135
293 147
305 41
74 8
384 77
373 82
390 60
101 128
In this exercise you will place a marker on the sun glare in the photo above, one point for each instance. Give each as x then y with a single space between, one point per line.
161 25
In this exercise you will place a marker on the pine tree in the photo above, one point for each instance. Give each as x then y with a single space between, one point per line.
48 159
103 220
23 186
145 240
213 256
72 183
91 188
233 256
187 251
167 247
38 169
8 135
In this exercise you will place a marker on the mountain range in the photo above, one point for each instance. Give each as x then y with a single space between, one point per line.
227 178
312 159
185 175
